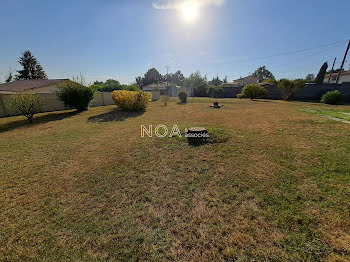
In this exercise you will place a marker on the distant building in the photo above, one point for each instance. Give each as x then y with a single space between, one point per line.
241 82
168 89
37 86
344 77
162 87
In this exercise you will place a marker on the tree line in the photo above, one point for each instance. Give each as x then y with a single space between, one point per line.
32 69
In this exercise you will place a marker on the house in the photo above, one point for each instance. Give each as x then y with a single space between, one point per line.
344 77
241 82
161 87
168 89
37 86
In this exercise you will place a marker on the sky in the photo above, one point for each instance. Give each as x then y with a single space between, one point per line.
122 39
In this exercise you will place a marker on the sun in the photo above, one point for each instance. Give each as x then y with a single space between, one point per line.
189 12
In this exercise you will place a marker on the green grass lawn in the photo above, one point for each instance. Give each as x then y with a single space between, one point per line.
340 114
273 185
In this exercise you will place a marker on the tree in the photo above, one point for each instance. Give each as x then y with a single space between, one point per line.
215 81
225 80
26 104
9 78
132 87
310 78
199 83
139 81
31 67
152 77
262 74
288 87
253 91
111 85
108 86
177 78
321 74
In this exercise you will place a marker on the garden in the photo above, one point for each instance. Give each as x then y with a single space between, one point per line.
272 184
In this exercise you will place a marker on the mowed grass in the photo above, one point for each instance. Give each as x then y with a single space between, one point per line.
332 111
273 185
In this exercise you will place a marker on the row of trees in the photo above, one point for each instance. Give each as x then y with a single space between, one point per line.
31 69
152 76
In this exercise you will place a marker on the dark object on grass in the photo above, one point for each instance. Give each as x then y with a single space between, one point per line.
216 105
197 135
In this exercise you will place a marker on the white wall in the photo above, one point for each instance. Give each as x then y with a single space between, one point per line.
54 104
343 78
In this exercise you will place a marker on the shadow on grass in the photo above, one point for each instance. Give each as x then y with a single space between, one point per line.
41 119
264 101
115 115
182 103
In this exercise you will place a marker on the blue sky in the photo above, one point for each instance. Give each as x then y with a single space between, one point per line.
121 39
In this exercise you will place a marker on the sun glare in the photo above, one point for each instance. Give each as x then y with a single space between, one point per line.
189 12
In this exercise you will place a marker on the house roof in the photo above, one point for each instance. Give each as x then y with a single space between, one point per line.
246 77
160 85
23 85
230 84
336 74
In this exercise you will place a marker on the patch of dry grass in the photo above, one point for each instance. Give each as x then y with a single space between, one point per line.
273 185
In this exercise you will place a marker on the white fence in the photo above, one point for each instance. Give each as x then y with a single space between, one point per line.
54 104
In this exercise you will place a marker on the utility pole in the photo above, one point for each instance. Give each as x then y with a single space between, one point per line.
167 75
342 64
330 76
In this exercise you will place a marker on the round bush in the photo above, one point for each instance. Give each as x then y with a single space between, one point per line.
75 96
332 97
183 96
253 91
131 100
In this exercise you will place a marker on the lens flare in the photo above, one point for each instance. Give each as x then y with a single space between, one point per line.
189 12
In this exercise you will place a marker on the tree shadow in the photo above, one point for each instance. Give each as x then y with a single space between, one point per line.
264 101
182 103
37 120
115 115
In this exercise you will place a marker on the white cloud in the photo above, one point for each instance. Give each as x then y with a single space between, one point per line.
177 4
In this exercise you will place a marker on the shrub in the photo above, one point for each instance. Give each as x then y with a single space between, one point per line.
240 96
165 99
97 87
75 96
215 91
131 100
27 104
288 87
332 97
253 91
183 96
132 88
